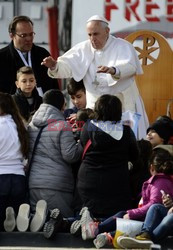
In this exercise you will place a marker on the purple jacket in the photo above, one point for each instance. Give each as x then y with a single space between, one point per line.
151 194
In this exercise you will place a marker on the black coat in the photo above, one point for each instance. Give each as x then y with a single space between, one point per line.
25 109
103 178
10 62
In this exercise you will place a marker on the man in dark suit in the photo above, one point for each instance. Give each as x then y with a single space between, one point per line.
23 52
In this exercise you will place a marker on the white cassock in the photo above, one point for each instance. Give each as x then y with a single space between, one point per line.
82 61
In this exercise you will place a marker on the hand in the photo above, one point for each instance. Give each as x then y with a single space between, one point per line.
26 168
74 127
167 200
126 216
72 117
170 211
49 62
72 120
105 69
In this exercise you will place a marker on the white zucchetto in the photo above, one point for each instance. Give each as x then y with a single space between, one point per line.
97 18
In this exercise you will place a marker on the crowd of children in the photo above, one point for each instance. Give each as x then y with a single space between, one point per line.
84 166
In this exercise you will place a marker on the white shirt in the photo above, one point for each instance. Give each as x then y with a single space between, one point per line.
11 159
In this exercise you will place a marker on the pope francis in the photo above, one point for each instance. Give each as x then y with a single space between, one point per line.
107 65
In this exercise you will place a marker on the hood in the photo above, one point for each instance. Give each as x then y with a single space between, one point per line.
104 134
112 129
45 114
168 148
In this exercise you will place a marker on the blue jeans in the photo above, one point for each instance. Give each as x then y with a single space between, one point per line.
12 194
109 225
157 223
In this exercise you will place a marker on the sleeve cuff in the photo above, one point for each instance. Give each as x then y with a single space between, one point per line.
117 74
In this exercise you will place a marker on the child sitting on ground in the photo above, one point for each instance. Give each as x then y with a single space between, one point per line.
158 222
26 96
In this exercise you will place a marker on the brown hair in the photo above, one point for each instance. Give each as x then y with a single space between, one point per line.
84 114
108 108
17 19
8 106
24 70
162 161
74 86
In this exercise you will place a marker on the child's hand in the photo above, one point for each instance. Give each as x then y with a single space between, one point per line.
170 211
166 200
74 127
72 117
126 216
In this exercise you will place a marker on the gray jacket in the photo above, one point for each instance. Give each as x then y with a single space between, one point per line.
56 150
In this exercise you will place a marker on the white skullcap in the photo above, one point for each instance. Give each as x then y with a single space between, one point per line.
97 18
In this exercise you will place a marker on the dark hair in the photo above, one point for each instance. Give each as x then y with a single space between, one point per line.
17 19
84 114
74 86
162 161
24 70
54 97
8 106
108 108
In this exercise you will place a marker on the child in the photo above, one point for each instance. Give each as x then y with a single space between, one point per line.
82 116
158 225
51 175
26 96
161 170
76 90
160 132
158 222
13 150
106 160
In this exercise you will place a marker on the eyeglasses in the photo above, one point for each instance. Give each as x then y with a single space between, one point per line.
24 35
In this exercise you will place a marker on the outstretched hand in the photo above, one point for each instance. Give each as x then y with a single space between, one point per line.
49 62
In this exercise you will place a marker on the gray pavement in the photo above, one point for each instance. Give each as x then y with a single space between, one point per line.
41 248
37 241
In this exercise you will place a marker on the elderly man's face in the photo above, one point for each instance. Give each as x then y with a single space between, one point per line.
98 34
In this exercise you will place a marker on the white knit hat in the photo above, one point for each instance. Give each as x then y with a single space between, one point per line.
97 18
